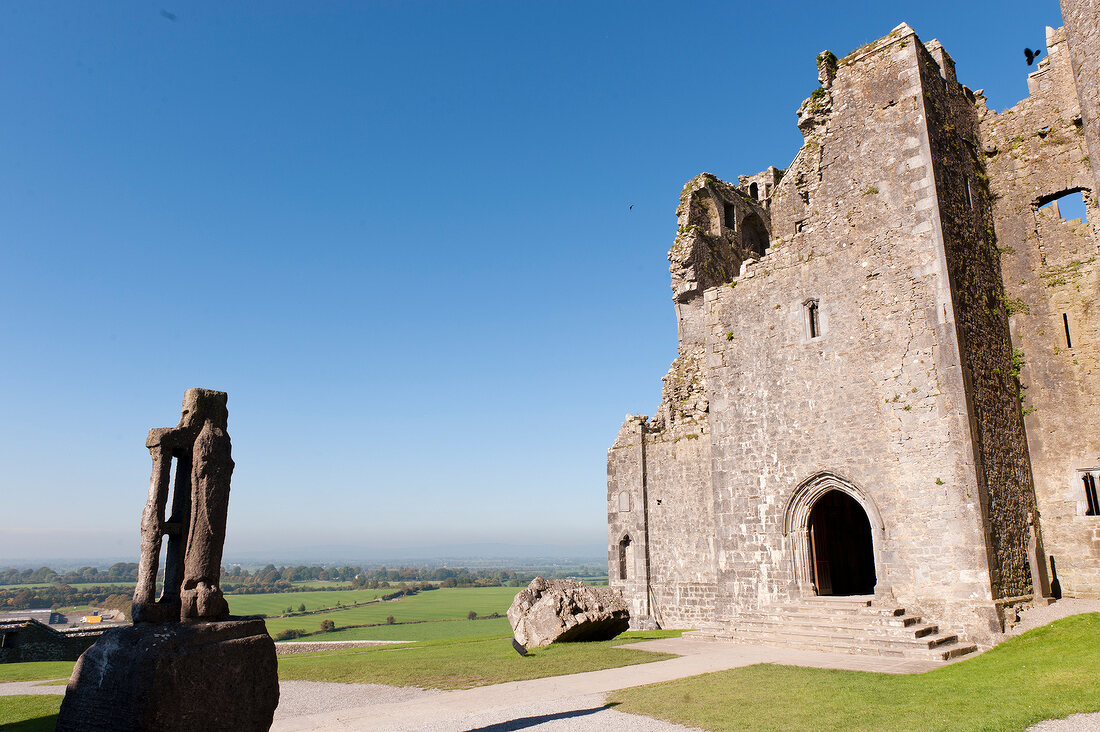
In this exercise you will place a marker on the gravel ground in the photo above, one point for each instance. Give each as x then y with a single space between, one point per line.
1034 617
285 647
298 698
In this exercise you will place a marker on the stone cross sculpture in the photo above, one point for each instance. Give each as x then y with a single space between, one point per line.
184 664
195 528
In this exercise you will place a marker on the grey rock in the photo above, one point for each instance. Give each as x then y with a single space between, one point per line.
566 610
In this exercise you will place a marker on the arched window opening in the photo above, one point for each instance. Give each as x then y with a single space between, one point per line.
624 557
754 235
1068 205
812 319
730 216
754 191
842 556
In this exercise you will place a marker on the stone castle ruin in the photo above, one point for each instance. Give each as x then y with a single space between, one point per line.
881 431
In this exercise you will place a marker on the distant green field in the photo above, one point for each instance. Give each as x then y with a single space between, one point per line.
444 604
276 603
436 630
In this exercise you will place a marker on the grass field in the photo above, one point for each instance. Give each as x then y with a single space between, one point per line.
36 670
434 630
29 713
444 604
277 603
1046 673
463 663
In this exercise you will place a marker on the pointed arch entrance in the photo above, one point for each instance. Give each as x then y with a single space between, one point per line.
836 535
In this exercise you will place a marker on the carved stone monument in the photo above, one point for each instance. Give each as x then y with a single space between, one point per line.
184 664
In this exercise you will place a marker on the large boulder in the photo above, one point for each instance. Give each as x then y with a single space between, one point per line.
566 610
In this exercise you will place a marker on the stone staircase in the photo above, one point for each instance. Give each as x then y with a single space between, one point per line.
842 625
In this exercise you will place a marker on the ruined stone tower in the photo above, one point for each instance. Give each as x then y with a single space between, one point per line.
870 397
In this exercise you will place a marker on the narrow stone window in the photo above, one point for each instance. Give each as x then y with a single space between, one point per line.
624 551
812 319
1065 323
624 501
730 214
1089 480
754 191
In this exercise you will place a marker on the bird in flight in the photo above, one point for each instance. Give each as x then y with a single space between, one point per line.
1031 55
631 207
172 16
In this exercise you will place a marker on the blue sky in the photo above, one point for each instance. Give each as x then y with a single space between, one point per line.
397 233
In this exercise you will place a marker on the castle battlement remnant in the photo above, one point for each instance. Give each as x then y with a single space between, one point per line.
884 396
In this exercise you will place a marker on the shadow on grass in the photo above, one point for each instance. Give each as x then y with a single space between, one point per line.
526 722
40 724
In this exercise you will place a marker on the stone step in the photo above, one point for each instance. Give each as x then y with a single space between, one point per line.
884 617
910 626
846 636
819 609
939 647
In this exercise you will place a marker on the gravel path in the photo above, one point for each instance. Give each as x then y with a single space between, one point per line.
1034 617
299 698
20 688
574 714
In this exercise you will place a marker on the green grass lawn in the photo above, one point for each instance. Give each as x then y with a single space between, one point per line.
462 663
36 670
444 604
276 603
1049 672
434 630
29 713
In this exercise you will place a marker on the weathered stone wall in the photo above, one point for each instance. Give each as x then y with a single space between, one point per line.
867 347
626 518
1036 150
1082 26
966 224
30 640
878 398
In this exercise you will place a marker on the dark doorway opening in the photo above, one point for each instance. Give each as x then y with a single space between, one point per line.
754 235
841 552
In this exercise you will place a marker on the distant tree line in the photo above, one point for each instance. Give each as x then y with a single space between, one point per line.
120 572
280 579
238 580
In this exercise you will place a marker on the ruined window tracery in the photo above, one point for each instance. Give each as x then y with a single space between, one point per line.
624 551
1089 479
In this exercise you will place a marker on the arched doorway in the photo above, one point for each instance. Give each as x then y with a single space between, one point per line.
842 554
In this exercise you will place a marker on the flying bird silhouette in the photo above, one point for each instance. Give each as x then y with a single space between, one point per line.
631 207
172 16
1031 55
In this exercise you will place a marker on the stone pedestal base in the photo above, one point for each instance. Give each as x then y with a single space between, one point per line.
175 676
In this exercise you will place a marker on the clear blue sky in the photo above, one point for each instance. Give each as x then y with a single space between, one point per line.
397 233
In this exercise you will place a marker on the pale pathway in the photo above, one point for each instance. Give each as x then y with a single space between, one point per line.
573 702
